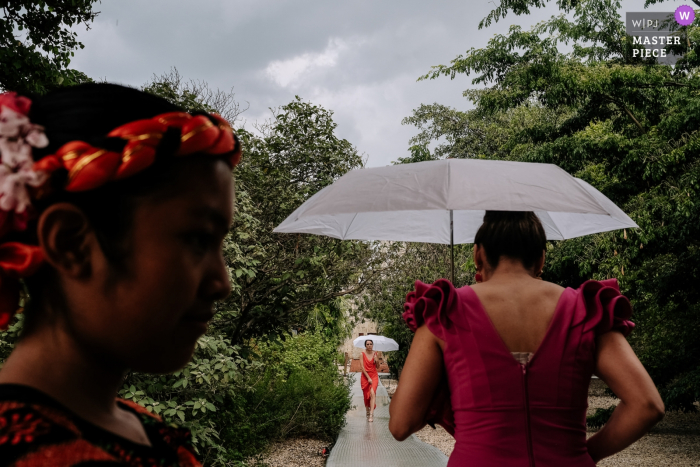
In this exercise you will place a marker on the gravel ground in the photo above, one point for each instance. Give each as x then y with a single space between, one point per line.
390 386
438 438
673 442
292 453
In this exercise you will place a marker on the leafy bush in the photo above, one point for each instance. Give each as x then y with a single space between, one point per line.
600 417
312 351
235 406
194 396
308 403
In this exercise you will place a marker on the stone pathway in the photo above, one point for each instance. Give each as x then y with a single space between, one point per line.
365 444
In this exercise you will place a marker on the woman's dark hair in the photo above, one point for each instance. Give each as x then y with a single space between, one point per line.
515 234
368 340
88 113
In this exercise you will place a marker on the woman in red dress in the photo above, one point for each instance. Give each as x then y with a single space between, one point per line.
369 379
518 354
114 205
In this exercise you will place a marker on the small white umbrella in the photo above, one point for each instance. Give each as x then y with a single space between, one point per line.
381 343
444 202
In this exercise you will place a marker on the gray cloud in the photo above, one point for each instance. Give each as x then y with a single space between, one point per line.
358 58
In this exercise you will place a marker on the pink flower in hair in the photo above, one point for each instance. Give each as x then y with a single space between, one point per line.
17 137
13 186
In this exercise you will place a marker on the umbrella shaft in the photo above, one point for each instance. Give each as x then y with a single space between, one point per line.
452 247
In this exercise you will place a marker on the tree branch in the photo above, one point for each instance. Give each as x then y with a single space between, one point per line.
662 85
624 107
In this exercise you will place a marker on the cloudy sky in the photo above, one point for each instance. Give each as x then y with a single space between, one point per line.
359 58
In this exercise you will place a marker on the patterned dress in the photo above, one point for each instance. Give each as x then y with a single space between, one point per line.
36 430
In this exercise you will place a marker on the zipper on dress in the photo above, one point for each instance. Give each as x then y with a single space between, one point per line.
528 431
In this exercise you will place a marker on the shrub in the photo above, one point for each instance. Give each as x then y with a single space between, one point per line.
235 406
307 403
297 392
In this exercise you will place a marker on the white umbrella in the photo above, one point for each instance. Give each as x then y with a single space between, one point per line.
381 343
444 202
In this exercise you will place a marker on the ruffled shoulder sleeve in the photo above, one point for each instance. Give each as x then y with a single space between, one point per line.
606 309
430 305
433 306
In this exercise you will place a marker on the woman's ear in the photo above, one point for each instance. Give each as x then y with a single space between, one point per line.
66 239
478 259
539 264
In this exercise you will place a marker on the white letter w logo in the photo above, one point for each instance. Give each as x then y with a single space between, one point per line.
685 15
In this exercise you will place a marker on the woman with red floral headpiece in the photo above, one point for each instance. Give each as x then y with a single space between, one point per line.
113 209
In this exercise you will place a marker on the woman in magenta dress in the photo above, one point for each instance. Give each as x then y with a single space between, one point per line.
369 379
518 354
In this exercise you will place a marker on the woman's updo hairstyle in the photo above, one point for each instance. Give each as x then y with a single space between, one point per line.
515 234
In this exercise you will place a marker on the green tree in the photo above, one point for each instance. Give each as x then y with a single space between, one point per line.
195 95
281 281
38 43
630 128
281 278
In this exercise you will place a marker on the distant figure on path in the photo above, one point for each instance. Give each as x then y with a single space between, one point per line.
518 354
115 220
369 379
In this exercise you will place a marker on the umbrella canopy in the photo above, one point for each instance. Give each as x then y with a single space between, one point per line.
381 343
444 202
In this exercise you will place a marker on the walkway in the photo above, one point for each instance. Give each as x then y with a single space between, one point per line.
365 444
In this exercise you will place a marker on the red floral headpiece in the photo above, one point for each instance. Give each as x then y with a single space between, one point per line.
88 168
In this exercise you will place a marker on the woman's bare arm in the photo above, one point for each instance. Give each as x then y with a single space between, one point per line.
640 405
420 377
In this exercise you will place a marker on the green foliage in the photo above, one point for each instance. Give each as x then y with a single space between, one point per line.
37 43
522 7
311 350
280 280
628 127
9 338
600 417
234 406
195 395
299 393
306 404
419 153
